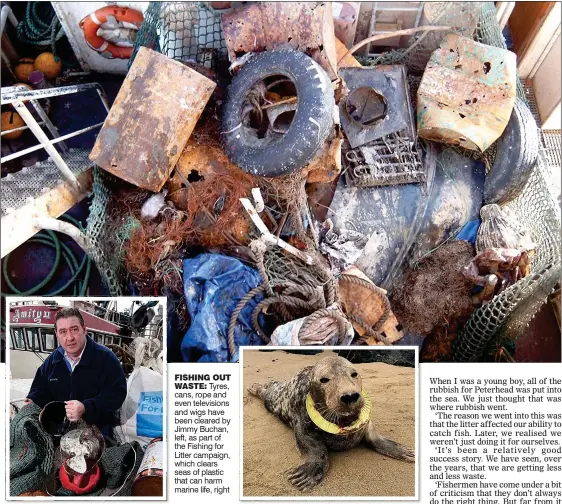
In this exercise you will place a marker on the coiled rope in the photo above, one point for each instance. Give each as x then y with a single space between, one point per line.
50 239
41 26
316 302
234 317
340 329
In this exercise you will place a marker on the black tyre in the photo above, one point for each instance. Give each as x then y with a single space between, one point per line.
310 126
517 153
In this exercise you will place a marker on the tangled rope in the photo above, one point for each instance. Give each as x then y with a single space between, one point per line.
340 329
40 28
368 330
234 317
258 248
289 300
292 300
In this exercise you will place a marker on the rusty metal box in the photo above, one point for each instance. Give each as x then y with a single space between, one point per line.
151 120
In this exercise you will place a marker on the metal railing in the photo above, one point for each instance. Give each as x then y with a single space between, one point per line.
5 15
19 98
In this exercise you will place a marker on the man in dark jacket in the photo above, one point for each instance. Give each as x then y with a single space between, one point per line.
85 375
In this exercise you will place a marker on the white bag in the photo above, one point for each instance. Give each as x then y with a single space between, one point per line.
142 413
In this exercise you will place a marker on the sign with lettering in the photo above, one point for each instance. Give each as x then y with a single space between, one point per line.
33 314
45 315
149 414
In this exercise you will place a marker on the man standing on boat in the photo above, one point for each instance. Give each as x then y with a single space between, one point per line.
84 374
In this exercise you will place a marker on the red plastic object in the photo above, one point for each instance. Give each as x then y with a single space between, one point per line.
79 483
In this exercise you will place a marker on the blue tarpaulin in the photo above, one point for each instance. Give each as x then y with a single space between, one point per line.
213 285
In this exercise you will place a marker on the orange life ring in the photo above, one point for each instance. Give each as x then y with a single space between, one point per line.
90 24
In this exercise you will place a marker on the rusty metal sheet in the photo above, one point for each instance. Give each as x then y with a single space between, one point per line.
467 93
304 26
326 165
151 120
366 305
347 61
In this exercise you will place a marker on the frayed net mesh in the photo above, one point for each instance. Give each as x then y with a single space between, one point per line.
183 31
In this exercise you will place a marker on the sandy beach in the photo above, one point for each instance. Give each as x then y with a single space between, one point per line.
269 447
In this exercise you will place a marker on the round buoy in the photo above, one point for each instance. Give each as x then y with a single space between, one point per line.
49 65
23 68
12 120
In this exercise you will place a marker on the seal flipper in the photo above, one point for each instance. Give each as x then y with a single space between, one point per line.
315 453
258 390
386 446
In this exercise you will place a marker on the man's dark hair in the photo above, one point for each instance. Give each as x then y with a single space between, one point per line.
67 313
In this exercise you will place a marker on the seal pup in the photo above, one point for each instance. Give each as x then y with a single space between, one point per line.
327 409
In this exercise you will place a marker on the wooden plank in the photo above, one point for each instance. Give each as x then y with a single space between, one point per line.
547 49
525 21
349 60
17 227
151 120
536 47
546 85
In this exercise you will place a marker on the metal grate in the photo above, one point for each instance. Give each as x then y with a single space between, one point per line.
393 159
20 188
551 141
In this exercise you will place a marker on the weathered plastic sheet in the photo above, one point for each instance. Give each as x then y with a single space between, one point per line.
467 93
404 222
213 286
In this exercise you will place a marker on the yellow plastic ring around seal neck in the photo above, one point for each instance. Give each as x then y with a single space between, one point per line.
333 428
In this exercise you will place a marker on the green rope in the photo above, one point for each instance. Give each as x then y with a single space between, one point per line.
46 280
40 28
61 250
